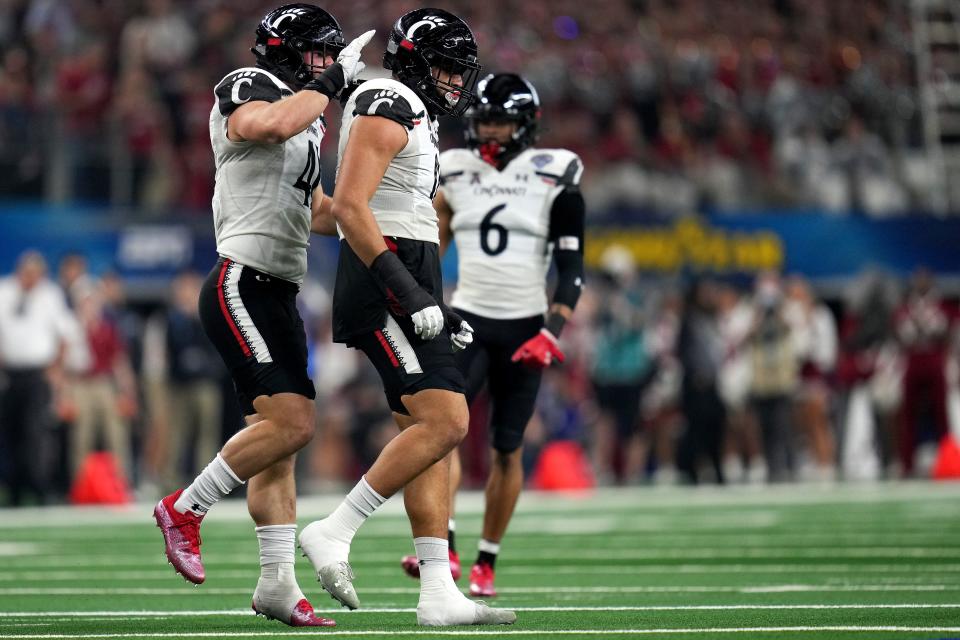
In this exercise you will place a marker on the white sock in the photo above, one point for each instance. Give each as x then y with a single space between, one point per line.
434 559
216 481
277 544
488 547
359 504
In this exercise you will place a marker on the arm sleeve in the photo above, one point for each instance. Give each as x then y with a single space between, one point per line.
246 85
387 104
566 232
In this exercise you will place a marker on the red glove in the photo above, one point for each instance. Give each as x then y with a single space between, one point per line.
539 351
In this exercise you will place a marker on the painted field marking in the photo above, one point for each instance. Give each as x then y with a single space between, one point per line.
781 588
109 615
494 632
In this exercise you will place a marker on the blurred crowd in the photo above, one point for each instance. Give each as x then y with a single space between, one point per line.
674 105
710 379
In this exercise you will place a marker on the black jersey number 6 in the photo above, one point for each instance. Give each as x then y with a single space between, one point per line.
488 226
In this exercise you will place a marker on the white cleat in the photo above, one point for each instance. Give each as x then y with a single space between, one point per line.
337 580
329 559
461 611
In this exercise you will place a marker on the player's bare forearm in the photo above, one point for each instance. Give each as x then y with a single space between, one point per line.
276 122
562 309
360 230
444 214
374 142
321 215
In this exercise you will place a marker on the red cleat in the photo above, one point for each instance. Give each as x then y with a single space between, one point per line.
181 534
301 616
481 581
412 567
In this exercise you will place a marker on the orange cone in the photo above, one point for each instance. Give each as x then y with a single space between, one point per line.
99 481
562 466
947 464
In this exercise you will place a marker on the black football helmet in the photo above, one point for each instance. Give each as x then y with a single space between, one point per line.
505 97
427 39
288 32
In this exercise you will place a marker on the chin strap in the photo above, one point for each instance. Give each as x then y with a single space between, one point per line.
490 152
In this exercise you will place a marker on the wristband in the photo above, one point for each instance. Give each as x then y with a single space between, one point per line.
330 82
554 323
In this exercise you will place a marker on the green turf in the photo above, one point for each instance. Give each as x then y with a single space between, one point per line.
790 562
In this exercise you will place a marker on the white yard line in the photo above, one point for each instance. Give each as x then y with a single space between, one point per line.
113 575
130 615
617 555
782 588
494 632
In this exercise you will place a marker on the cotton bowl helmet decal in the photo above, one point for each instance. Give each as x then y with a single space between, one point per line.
506 97
288 32
428 39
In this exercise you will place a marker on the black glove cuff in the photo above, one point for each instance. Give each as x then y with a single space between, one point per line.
330 82
397 280
554 323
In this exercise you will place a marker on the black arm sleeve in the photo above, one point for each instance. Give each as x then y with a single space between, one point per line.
566 232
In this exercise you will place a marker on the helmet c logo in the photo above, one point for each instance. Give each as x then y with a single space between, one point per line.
433 21
290 14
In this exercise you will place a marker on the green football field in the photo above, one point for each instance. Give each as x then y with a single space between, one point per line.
877 561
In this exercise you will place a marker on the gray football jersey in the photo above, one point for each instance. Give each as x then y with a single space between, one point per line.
501 224
263 192
403 203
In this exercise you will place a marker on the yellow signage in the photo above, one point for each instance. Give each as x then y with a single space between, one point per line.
690 244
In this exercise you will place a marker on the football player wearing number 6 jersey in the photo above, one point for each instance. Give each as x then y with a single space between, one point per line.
512 208
265 127
388 302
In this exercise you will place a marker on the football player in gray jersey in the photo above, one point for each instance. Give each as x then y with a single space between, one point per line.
388 302
265 127
513 209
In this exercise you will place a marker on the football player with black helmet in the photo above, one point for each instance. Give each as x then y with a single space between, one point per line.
512 209
265 128
388 302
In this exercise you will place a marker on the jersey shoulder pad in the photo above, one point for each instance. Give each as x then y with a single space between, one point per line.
454 163
247 84
565 167
389 99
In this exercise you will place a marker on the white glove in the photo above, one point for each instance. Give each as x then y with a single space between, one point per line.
462 338
349 58
428 322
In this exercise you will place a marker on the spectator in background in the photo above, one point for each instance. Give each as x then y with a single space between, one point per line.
735 319
84 93
774 371
864 159
922 324
21 155
102 385
35 325
868 373
72 275
700 350
815 341
186 379
622 367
